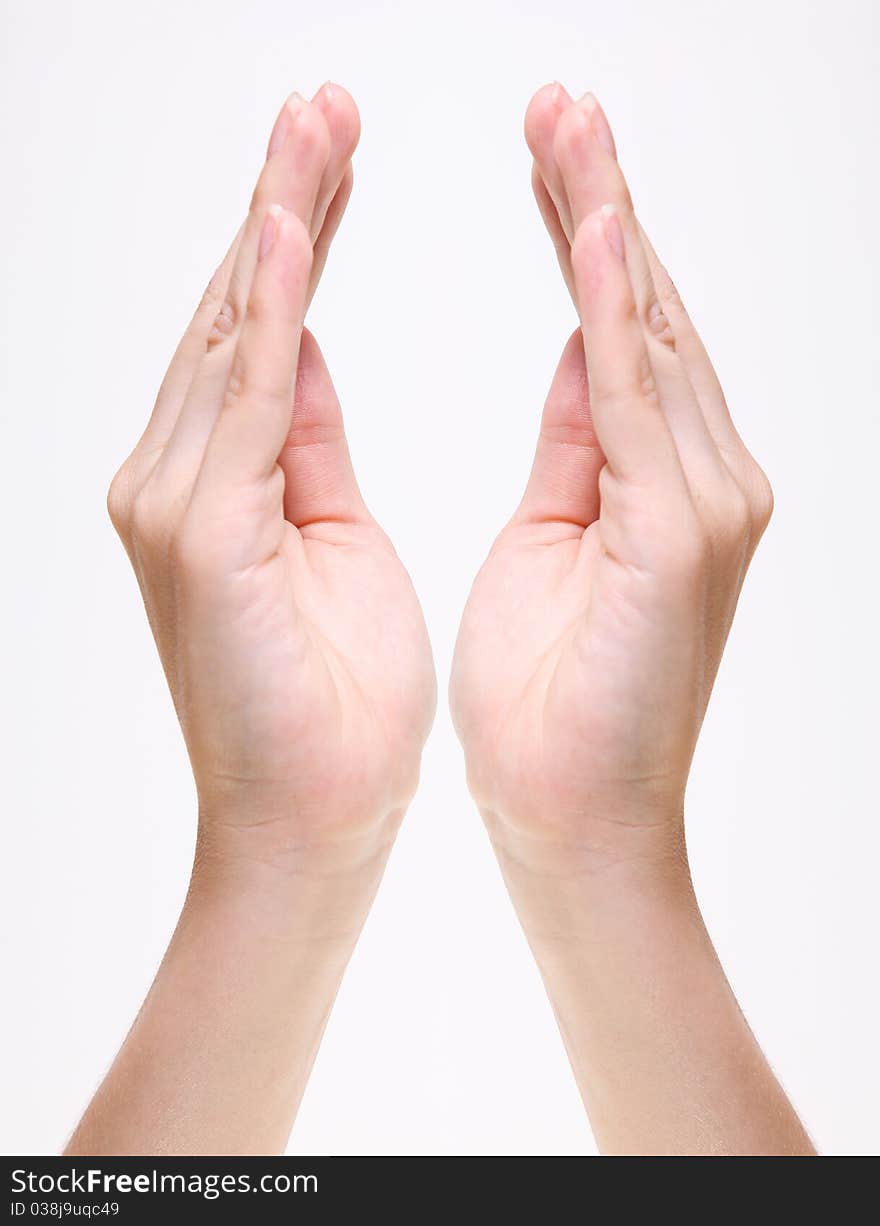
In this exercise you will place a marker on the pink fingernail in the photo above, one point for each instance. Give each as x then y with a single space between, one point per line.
269 231
560 98
599 124
282 123
613 231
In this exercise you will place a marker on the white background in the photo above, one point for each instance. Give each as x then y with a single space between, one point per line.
131 135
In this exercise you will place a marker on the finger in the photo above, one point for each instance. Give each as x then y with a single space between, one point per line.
563 484
320 484
344 126
253 423
625 407
299 151
695 358
586 155
332 219
214 318
187 356
542 117
586 149
551 220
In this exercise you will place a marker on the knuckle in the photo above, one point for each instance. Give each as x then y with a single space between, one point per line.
667 294
256 311
212 298
312 134
763 501
659 325
225 324
646 378
648 388
248 386
237 383
119 500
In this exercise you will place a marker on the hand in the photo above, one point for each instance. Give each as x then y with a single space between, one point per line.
290 634
300 669
584 664
593 633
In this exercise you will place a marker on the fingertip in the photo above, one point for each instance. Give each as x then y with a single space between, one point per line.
311 135
596 238
285 245
341 114
553 96
331 96
571 135
542 115
282 125
599 123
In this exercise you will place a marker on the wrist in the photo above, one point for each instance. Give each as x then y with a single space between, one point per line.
303 890
566 888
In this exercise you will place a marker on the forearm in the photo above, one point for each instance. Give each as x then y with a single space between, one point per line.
663 1056
218 1058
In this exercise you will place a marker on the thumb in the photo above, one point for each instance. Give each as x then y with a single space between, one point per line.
320 483
564 482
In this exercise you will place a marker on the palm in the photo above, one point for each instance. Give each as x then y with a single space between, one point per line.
322 676
365 711
553 676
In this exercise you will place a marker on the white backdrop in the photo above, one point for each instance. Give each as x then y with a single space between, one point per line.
131 135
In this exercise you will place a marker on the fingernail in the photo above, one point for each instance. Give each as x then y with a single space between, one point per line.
269 231
599 124
282 123
613 231
328 90
560 97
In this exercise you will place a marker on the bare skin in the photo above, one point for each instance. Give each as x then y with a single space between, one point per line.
299 664
585 660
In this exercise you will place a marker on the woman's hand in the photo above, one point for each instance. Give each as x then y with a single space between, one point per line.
292 640
297 657
594 631
584 663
